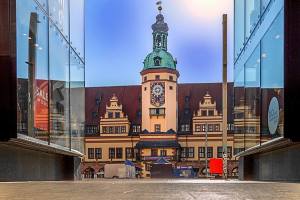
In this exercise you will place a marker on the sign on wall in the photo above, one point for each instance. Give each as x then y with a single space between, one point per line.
273 115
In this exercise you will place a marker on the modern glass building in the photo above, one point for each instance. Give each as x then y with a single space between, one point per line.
42 61
267 80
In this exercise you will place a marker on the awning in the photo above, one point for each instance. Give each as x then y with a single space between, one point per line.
162 161
158 144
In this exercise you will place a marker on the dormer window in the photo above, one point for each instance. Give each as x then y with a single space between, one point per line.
110 115
157 61
117 114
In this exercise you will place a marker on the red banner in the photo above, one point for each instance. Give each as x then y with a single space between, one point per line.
41 108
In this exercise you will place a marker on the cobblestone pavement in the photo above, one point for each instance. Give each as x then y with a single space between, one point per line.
149 189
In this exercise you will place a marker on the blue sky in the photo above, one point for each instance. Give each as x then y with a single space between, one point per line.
119 36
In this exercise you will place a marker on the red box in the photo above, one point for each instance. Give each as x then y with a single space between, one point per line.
216 166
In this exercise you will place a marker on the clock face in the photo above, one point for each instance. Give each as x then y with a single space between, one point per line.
157 90
157 93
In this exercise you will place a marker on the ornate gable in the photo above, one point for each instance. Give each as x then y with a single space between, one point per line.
114 121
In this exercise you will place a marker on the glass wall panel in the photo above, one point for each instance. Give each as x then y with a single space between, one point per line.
77 26
59 91
272 80
264 5
50 76
59 12
252 16
239 109
32 70
239 32
77 101
252 99
43 4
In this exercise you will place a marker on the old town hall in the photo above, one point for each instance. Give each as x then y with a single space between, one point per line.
159 121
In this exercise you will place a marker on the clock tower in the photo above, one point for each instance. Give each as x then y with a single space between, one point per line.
159 83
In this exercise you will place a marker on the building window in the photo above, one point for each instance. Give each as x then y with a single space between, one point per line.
163 153
157 111
136 128
157 61
123 129
98 153
157 127
183 152
145 88
191 152
171 87
129 152
91 154
210 112
203 113
117 129
210 127
203 127
119 153
210 152
157 77
112 153
171 78
110 115
201 152
154 152
197 127
185 127
91 129
220 152
217 127
117 114
145 78
104 129
110 129
187 152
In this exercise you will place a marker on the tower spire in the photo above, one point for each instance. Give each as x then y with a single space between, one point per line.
159 6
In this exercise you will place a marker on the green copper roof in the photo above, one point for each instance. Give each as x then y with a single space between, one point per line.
159 58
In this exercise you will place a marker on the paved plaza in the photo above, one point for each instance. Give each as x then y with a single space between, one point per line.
149 189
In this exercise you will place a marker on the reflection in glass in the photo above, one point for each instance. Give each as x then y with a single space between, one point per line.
264 5
272 84
239 26
32 70
252 16
239 109
77 101
77 26
59 12
252 99
59 91
50 77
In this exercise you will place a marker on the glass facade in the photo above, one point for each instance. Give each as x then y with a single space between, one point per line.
258 72
50 71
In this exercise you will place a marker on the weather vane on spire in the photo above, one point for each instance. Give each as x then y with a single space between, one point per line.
159 7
